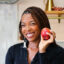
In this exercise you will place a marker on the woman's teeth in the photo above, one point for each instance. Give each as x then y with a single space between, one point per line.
29 35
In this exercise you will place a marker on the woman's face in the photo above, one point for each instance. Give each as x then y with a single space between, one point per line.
30 28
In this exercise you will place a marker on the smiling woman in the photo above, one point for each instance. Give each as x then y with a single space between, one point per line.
37 50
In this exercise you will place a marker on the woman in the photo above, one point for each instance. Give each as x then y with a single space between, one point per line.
37 50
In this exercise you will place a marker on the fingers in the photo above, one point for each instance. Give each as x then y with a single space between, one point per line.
42 39
54 34
51 37
45 43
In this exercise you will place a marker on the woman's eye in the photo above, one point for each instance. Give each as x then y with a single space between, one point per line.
33 23
22 25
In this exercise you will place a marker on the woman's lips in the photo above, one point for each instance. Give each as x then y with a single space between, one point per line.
29 35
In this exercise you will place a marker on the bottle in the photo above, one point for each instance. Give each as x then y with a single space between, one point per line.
49 5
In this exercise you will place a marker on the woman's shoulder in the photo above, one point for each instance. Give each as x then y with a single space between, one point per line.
16 46
59 51
59 48
14 50
56 52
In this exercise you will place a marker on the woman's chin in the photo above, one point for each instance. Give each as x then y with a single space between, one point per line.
30 40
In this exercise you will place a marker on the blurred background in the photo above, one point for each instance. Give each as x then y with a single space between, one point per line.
10 14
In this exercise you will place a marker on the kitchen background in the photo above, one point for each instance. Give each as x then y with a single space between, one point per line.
10 15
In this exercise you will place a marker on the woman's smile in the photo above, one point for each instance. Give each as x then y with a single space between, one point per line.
30 35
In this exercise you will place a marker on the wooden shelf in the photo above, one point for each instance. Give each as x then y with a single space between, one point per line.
54 12
56 17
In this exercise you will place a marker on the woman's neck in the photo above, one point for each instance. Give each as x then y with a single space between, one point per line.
33 45
32 50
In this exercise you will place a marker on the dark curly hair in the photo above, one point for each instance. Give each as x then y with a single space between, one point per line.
38 15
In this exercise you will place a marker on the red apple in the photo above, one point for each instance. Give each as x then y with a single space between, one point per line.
44 33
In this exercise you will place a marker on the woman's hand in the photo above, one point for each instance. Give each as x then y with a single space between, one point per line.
45 43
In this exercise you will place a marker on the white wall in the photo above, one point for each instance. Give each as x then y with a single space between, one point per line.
8 28
23 4
58 28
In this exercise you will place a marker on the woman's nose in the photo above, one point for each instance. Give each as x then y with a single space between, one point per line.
28 28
